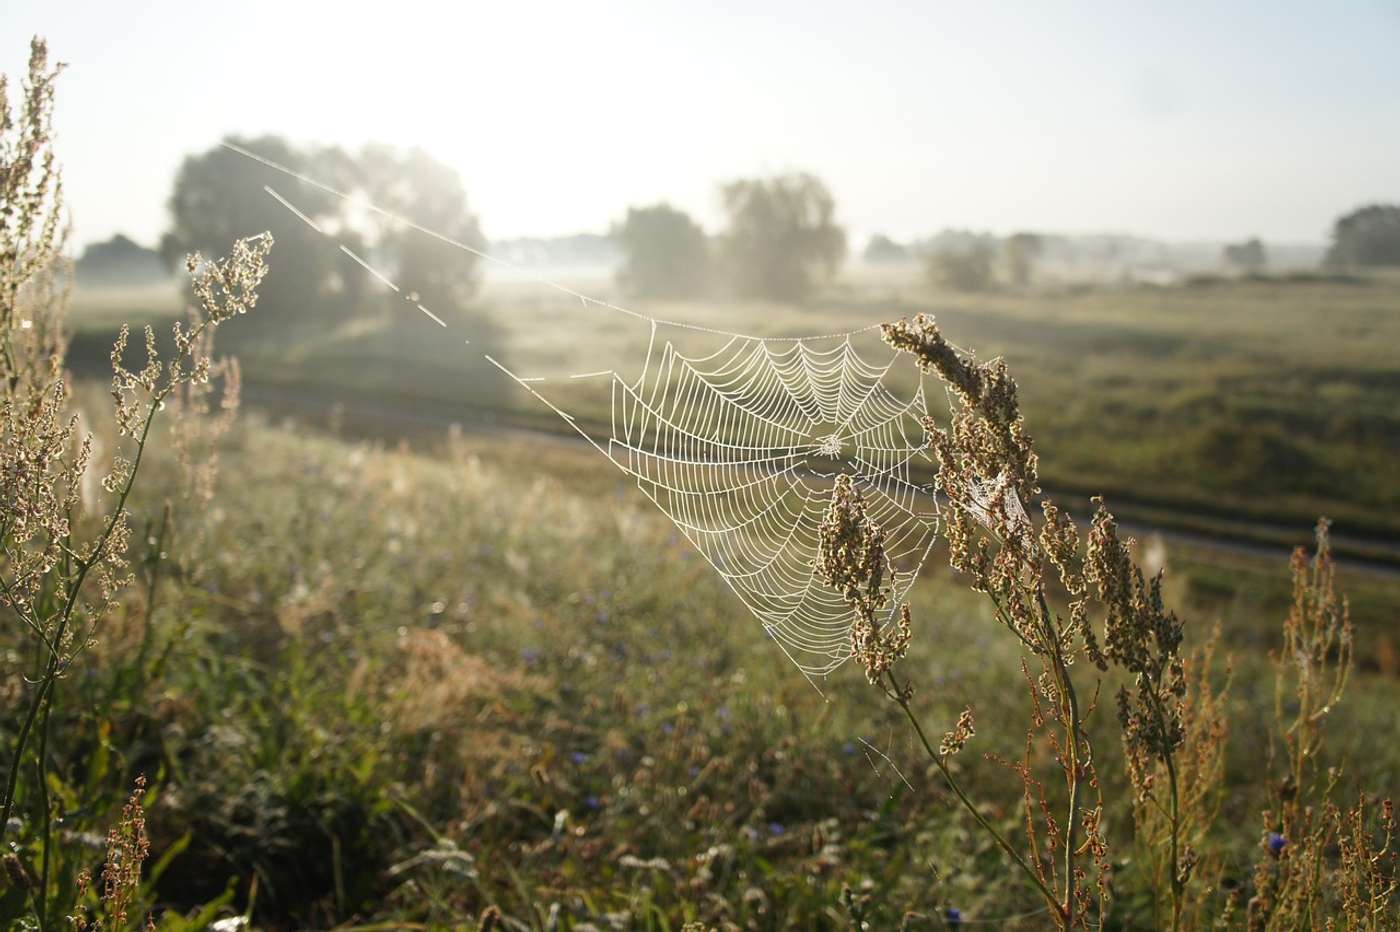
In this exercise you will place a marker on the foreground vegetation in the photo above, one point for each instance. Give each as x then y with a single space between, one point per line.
303 681
393 686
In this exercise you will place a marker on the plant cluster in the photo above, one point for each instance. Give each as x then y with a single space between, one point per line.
1114 622
65 527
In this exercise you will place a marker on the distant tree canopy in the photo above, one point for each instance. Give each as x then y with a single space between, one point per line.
218 196
882 249
1022 250
965 265
1249 256
119 261
665 253
1367 236
782 238
417 187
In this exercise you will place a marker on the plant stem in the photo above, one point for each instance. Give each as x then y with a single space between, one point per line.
13 777
898 694
41 766
1073 725
1177 884
1072 729
152 582
52 669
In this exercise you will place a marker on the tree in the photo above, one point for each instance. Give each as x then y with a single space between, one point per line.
665 253
418 188
119 261
882 249
1022 250
1249 256
1367 236
782 236
218 197
966 266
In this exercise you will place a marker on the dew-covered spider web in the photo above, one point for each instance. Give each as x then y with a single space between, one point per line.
738 449
737 438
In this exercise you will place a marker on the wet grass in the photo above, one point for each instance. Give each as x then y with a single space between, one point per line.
400 687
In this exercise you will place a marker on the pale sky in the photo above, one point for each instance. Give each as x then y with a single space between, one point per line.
1179 120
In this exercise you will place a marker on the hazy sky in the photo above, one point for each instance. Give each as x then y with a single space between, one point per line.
1177 120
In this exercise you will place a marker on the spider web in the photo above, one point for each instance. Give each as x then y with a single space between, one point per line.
738 449
738 446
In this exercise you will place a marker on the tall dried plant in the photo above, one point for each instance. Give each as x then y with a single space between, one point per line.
1321 863
987 477
63 555
1318 861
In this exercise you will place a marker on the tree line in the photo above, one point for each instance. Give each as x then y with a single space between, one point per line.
781 239
218 195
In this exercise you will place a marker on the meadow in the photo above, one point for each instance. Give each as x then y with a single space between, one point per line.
396 674
1236 408
363 636
395 688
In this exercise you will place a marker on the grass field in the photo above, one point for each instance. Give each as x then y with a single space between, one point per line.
400 683
366 630
1245 407
398 687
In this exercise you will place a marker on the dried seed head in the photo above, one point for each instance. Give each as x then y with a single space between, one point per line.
955 740
127 847
851 551
851 560
992 433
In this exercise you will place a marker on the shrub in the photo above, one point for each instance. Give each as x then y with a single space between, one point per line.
782 239
1367 236
963 267
665 253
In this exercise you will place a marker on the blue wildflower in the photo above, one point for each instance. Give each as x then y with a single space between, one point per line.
954 916
1276 843
776 828
592 803
579 758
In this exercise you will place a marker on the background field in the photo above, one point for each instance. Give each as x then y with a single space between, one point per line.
1235 408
